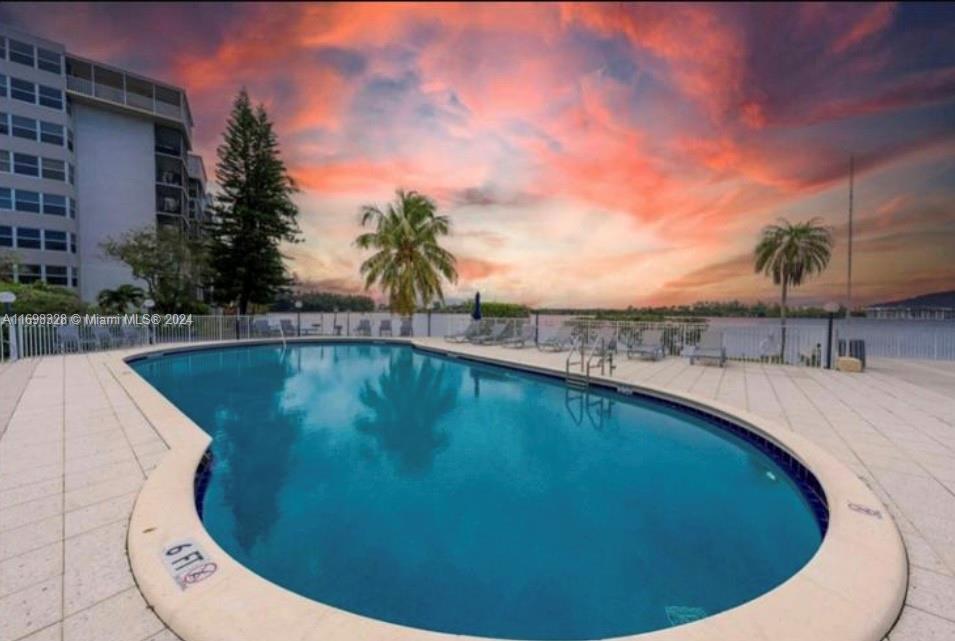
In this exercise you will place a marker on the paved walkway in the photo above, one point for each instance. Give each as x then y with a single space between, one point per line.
74 452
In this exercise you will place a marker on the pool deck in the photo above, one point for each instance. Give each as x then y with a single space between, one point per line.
75 450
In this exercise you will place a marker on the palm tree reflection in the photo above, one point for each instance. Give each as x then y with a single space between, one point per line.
404 411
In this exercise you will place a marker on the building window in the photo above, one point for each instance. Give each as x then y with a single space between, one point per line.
76 275
72 174
54 240
23 127
51 97
26 165
54 205
54 169
4 161
6 198
6 236
56 275
28 238
23 90
69 139
3 86
29 273
49 60
72 208
28 201
72 243
21 52
3 47
51 133
4 124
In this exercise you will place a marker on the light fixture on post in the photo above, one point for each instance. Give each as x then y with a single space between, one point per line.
8 299
148 304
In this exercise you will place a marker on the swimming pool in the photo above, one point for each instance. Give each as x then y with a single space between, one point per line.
466 498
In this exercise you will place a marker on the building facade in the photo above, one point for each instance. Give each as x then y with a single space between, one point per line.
88 152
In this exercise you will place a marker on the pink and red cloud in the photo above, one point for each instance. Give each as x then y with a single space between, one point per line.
633 149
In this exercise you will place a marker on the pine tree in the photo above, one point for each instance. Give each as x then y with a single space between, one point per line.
253 214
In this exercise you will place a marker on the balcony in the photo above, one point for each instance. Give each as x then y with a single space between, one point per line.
118 87
169 200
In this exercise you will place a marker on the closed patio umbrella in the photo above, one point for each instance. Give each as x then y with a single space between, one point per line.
476 312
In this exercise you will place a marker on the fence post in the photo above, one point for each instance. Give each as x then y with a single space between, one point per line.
14 354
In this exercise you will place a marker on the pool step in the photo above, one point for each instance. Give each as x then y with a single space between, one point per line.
577 382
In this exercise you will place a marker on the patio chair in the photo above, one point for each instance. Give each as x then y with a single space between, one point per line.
650 344
132 335
491 332
67 337
563 340
710 347
288 329
363 328
500 332
385 326
407 328
102 336
473 329
523 337
261 327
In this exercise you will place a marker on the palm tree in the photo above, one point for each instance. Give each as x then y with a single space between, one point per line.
791 253
118 301
408 262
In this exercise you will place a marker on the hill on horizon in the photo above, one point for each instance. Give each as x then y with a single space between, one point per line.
935 299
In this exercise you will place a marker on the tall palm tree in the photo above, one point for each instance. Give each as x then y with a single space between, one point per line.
408 262
790 253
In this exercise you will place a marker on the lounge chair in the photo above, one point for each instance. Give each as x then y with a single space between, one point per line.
709 347
473 329
102 336
498 333
563 340
261 327
288 329
649 345
364 328
132 335
385 326
522 338
68 338
407 327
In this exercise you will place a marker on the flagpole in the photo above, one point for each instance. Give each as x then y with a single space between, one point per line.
849 274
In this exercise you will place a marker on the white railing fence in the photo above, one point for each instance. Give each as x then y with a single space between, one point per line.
743 339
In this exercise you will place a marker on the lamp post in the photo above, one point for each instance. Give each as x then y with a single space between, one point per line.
148 304
8 299
298 311
831 309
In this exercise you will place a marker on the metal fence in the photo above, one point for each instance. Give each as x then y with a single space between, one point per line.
743 339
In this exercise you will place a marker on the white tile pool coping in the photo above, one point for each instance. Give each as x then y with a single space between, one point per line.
851 590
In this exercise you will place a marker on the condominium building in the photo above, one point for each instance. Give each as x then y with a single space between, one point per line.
88 152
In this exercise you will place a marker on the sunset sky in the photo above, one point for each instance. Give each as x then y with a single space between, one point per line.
587 154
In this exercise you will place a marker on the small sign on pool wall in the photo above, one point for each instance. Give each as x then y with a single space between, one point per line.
187 563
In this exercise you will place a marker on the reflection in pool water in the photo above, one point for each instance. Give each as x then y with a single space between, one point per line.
465 498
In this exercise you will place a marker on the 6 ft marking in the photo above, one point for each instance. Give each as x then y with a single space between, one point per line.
187 563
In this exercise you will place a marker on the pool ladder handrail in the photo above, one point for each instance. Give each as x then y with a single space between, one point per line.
603 354
576 344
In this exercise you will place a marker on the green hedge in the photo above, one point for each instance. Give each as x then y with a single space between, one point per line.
40 298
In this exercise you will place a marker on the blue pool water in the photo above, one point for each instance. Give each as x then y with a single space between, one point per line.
465 498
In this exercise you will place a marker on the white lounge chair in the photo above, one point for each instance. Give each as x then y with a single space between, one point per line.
563 340
649 345
498 332
709 347
524 336
473 329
